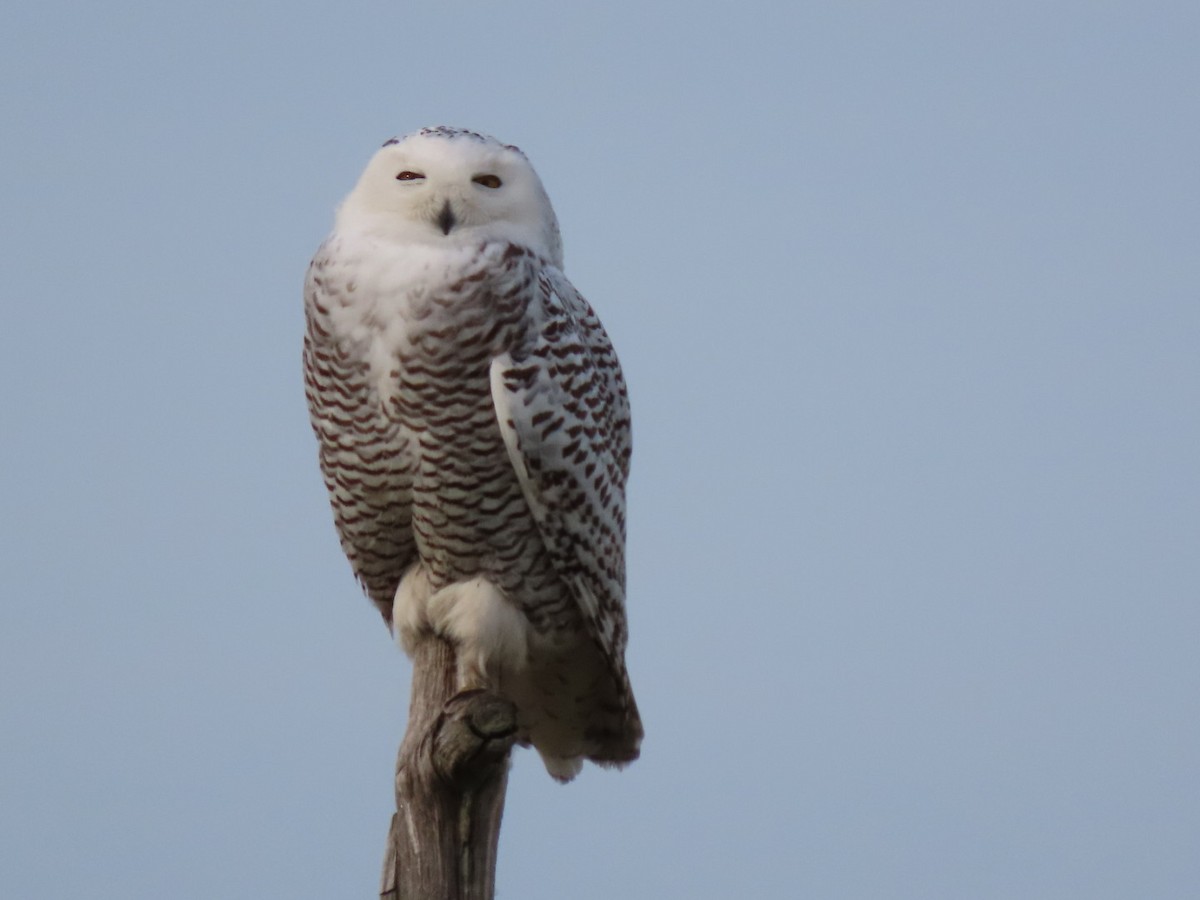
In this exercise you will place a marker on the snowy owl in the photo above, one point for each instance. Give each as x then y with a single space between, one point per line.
474 435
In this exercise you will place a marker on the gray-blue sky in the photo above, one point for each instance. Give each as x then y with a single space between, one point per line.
908 297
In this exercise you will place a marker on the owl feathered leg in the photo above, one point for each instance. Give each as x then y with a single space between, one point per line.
489 633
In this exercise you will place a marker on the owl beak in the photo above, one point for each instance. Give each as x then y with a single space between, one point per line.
446 219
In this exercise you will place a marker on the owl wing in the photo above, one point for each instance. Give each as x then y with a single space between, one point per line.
563 412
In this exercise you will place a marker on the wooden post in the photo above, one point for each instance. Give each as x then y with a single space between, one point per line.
451 775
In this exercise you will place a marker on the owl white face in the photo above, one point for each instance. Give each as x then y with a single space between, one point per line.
452 188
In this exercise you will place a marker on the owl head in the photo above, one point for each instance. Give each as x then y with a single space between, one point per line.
452 187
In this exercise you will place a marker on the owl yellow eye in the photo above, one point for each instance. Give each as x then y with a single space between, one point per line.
488 181
409 176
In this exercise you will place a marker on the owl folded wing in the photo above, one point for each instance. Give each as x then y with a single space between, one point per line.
564 416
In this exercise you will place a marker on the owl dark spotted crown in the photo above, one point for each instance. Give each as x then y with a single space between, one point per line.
446 131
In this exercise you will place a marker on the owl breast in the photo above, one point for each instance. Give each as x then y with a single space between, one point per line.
469 516
426 353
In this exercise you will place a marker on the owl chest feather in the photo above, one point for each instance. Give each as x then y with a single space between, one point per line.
428 352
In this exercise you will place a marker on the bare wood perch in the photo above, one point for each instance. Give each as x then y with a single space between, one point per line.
451 776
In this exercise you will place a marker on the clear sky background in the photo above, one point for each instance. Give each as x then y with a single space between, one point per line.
908 299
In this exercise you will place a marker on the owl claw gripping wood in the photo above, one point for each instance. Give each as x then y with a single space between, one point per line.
474 435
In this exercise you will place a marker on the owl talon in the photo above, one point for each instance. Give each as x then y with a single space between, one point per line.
477 731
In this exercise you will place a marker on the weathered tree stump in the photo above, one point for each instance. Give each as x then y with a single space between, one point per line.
451 775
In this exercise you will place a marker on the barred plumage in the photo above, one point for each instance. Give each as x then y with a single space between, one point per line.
474 435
